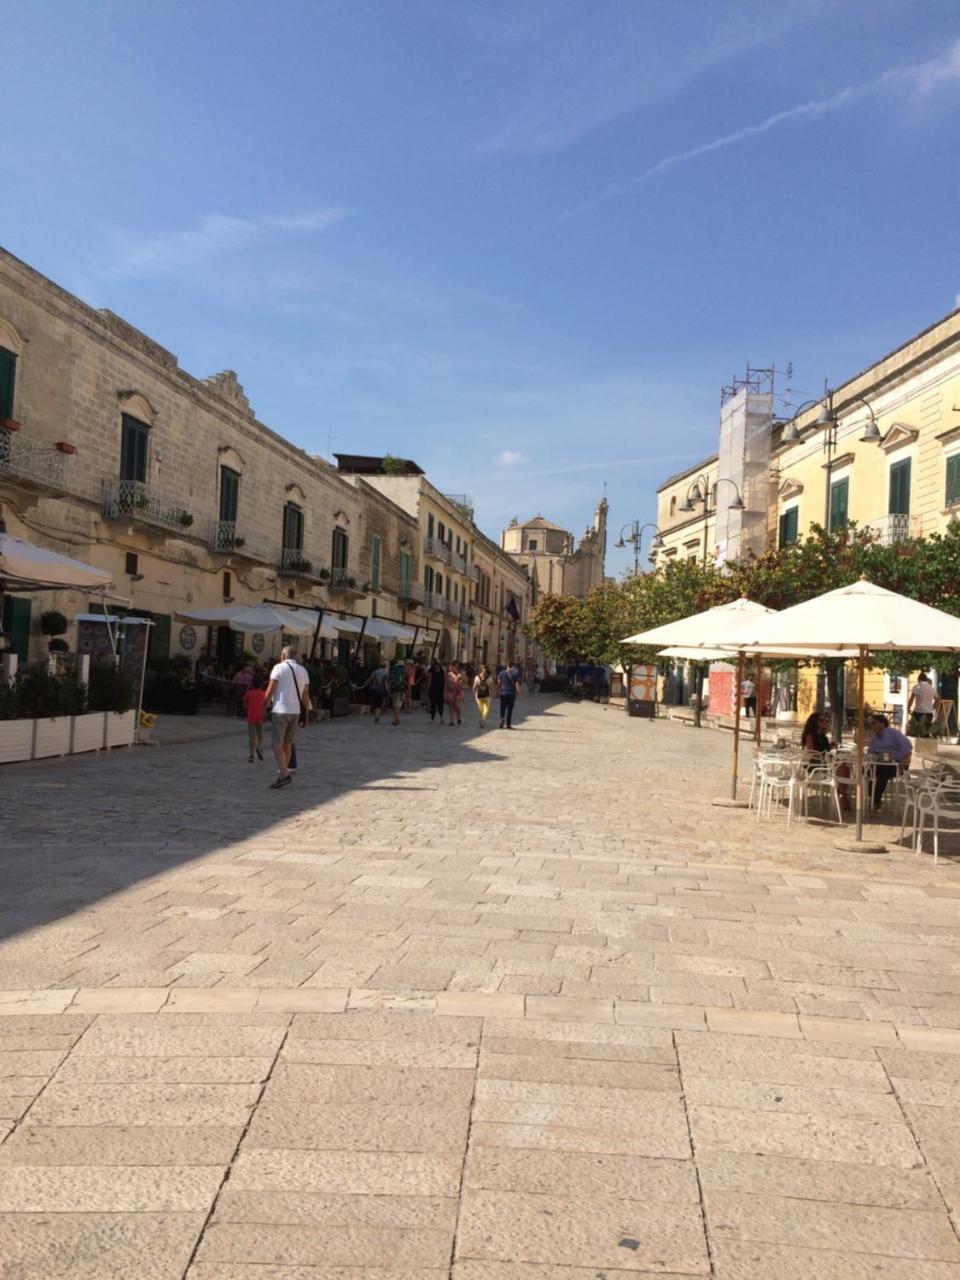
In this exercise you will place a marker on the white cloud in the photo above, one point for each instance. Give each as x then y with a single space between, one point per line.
215 234
918 80
510 458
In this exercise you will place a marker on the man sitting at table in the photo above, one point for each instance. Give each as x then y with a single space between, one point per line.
892 744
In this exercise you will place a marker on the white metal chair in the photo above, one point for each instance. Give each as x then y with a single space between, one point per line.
820 780
915 782
778 779
936 804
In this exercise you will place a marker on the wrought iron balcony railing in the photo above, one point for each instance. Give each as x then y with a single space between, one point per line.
432 602
457 563
896 528
229 538
31 462
295 563
410 590
439 550
133 500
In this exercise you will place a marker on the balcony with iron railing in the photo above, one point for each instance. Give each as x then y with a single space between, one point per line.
295 563
141 503
410 592
31 464
229 538
432 602
345 583
895 528
439 550
458 564
464 504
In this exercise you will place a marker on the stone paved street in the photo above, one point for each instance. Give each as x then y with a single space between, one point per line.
483 1006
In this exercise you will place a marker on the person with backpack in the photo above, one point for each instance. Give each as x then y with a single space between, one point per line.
398 687
509 681
481 694
378 690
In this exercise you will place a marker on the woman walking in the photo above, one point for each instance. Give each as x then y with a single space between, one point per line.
435 687
453 695
481 695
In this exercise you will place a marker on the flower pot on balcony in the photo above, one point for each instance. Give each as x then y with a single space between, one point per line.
16 740
9 424
52 737
88 731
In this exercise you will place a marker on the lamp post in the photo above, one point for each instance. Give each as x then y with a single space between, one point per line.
634 536
698 493
828 422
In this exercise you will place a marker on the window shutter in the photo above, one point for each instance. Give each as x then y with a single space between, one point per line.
375 564
229 494
839 504
8 376
899 504
788 526
953 480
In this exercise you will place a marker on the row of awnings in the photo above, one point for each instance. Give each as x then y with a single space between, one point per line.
268 618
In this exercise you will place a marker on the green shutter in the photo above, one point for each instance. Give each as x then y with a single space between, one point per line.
406 570
839 504
8 376
953 480
375 564
789 523
899 504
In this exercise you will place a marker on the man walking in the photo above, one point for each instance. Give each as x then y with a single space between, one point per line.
398 688
378 690
749 691
509 681
289 690
923 703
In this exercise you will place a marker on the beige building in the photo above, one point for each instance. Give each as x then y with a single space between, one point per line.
688 532
113 454
468 588
555 564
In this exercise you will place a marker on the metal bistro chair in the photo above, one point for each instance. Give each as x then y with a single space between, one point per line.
915 782
779 778
819 778
936 804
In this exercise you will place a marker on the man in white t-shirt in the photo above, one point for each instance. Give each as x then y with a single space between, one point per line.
748 691
289 690
923 703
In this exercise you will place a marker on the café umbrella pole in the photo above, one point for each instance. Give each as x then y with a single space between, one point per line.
736 726
758 694
861 660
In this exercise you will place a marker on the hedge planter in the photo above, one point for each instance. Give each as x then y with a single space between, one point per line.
88 731
52 737
16 740
121 728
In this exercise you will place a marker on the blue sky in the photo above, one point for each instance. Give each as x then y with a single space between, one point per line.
523 241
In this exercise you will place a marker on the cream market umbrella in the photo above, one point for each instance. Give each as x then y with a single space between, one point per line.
25 567
708 629
863 617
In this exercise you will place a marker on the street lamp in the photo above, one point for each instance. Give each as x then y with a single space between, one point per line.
828 422
634 536
697 494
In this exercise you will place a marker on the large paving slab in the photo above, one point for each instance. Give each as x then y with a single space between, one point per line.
464 1006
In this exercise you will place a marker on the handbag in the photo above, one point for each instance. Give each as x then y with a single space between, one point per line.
302 720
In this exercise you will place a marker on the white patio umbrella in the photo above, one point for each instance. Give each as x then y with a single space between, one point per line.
25 567
861 617
693 635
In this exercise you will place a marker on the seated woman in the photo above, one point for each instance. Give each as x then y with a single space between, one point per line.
814 738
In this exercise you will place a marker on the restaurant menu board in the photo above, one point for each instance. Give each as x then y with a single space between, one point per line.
94 638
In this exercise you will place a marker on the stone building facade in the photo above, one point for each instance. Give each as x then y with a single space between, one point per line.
113 454
554 563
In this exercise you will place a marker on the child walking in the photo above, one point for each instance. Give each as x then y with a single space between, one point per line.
253 701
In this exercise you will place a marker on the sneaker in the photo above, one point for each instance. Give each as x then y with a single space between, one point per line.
249 759
259 754
282 781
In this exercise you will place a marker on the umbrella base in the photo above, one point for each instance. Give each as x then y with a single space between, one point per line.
850 844
726 802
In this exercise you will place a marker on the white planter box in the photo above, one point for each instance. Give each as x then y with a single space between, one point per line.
52 738
787 717
16 740
88 731
120 728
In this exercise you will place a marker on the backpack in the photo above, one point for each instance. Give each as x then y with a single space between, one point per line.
398 677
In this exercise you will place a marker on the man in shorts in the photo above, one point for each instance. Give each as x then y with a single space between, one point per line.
289 690
378 690
398 687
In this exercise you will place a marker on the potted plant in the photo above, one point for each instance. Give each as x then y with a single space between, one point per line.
148 722
16 731
53 623
238 541
351 582
112 692
141 501
186 520
324 575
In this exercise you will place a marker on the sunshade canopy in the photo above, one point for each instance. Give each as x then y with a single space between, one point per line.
374 628
840 622
25 567
709 627
264 618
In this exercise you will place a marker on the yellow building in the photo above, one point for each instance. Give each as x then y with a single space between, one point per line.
881 450
688 532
